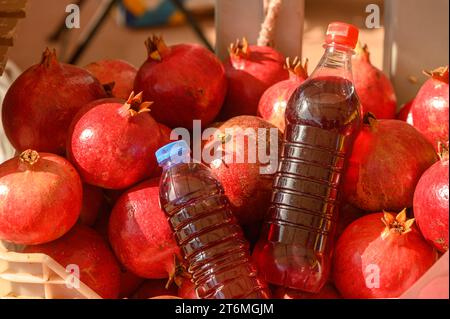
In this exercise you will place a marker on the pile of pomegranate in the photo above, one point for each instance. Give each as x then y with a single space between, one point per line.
84 186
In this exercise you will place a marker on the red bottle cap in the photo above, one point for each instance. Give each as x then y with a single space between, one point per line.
342 33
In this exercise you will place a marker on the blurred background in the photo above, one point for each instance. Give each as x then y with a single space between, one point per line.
114 39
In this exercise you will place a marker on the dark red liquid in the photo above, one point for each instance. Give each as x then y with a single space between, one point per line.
208 234
322 120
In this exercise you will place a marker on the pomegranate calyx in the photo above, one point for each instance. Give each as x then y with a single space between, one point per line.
370 119
156 47
362 51
440 74
443 151
296 68
178 274
29 156
240 49
108 87
398 224
49 58
134 104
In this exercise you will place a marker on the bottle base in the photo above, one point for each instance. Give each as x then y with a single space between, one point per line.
290 266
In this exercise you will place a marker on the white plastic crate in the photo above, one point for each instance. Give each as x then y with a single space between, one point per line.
36 276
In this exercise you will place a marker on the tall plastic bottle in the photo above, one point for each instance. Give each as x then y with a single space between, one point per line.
208 234
323 118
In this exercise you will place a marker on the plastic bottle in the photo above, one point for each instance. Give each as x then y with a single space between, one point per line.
208 234
323 118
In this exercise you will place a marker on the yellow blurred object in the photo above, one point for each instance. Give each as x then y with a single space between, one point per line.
136 7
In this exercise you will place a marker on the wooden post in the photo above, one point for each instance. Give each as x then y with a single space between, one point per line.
236 19
416 39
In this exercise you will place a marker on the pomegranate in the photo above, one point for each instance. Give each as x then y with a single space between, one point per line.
40 198
93 199
186 82
119 72
387 160
129 283
273 102
86 249
113 144
140 233
347 215
248 188
154 288
431 203
41 103
327 292
429 112
186 290
374 89
250 70
405 111
380 256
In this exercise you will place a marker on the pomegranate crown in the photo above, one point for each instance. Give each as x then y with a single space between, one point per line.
440 74
155 47
49 57
362 51
29 156
134 104
240 48
178 274
398 224
296 68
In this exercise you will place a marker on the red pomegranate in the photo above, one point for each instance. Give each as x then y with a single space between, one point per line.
119 72
429 112
140 233
250 71
347 215
380 256
86 249
93 199
388 158
40 198
186 290
273 102
405 111
129 283
374 89
153 288
185 81
238 165
40 104
113 144
431 203
327 292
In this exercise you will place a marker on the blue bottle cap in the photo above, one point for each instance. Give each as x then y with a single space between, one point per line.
176 151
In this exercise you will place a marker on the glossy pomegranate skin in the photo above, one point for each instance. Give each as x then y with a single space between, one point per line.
42 101
361 255
374 89
248 77
140 233
431 202
187 83
110 147
387 160
273 102
83 247
116 71
430 110
40 201
247 189
187 290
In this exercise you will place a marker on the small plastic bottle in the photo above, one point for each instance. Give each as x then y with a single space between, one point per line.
208 234
323 118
